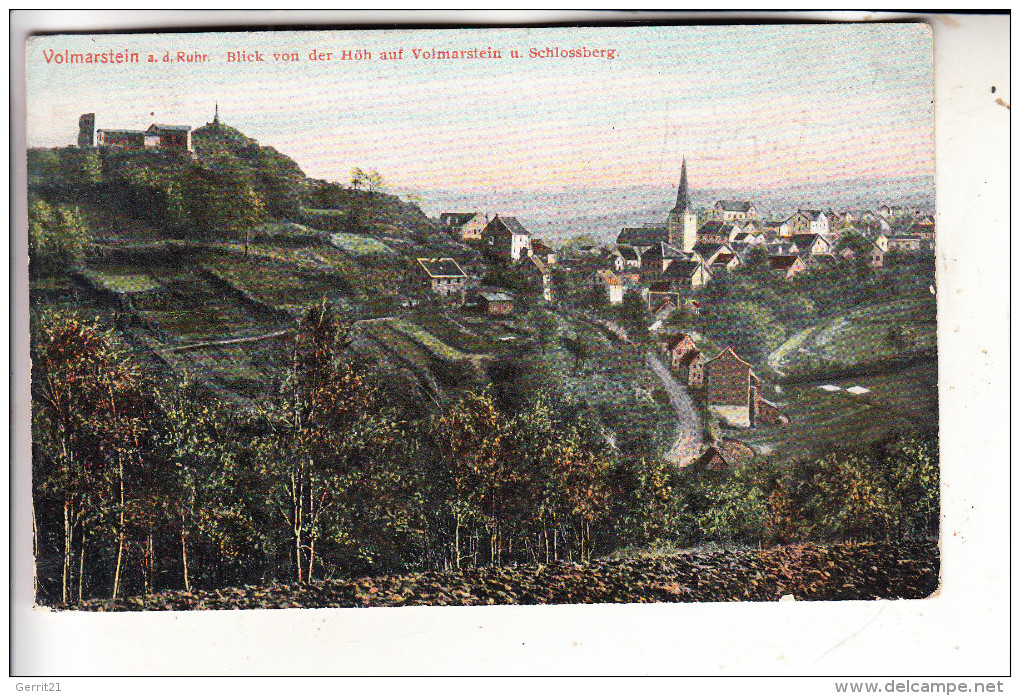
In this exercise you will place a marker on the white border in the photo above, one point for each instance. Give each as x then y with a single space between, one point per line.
963 631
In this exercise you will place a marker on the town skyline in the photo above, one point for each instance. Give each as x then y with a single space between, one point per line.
861 112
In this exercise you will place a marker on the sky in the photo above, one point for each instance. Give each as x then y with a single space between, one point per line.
748 106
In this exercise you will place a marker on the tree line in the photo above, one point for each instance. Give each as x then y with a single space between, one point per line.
142 484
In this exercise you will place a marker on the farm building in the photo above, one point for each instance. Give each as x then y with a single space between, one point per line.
496 302
444 276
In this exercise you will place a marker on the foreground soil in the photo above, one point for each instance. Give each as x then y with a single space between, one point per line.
864 571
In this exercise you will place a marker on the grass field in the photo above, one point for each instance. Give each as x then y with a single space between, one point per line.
898 401
359 244
863 335
121 281
195 309
277 285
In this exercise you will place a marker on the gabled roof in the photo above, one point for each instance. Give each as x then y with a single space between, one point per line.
735 206
608 277
729 349
813 215
676 339
682 269
628 253
806 241
783 262
668 302
723 259
512 224
442 268
456 219
642 236
689 357
706 249
716 228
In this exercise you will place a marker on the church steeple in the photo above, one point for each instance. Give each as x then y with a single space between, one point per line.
216 116
683 200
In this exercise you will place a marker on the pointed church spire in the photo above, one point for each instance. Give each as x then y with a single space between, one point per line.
216 116
683 200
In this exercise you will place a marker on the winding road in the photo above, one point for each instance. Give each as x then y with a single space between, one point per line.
687 445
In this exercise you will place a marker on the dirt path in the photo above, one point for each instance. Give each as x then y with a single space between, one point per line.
687 445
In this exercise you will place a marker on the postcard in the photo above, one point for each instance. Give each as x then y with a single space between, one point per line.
369 319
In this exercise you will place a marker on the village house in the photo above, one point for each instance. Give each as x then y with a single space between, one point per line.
808 222
716 232
658 258
687 275
624 257
876 257
905 243
691 368
813 244
724 262
506 239
750 238
543 251
467 226
776 228
708 251
677 346
444 276
535 274
788 265
724 455
728 211
924 230
662 311
732 388
609 283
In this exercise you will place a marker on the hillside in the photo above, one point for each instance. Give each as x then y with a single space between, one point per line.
812 572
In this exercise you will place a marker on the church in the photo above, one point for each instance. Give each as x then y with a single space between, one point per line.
680 230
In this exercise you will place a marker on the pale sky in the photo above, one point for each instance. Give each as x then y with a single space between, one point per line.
749 107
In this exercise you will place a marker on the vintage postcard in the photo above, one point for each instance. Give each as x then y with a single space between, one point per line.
489 316
515 316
